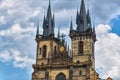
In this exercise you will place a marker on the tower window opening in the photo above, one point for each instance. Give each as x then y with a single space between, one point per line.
40 50
44 52
55 50
80 45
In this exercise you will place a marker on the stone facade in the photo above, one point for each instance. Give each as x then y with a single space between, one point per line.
54 59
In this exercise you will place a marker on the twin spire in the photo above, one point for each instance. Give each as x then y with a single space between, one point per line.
83 21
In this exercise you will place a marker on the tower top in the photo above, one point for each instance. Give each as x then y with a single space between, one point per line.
82 19
48 23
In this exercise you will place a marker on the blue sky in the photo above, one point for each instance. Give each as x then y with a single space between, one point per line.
18 20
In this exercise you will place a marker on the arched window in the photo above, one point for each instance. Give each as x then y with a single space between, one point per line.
78 62
44 52
80 47
60 76
55 49
40 50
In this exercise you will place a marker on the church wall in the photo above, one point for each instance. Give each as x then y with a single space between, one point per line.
50 49
79 73
54 72
87 45
81 59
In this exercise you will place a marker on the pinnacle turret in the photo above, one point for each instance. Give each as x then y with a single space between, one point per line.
77 17
71 25
58 33
88 19
37 31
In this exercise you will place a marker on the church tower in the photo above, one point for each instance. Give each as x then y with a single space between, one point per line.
54 59
83 40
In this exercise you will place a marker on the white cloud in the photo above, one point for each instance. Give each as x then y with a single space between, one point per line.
17 59
17 31
2 19
5 56
107 51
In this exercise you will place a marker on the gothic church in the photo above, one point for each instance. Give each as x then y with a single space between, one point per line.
54 59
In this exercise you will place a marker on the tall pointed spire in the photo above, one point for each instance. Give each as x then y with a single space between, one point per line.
48 23
71 25
77 17
44 21
94 33
49 14
37 32
94 29
82 9
82 26
58 33
88 19
53 21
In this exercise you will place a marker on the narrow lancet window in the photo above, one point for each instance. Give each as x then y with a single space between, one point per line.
44 52
80 47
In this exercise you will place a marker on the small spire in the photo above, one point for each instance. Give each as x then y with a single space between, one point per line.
37 32
71 25
53 21
94 29
88 18
44 21
58 33
38 28
77 17
94 33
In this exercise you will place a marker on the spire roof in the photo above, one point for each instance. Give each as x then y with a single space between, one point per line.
58 33
48 23
77 17
53 21
37 33
49 14
82 24
71 25
82 9
88 18
94 29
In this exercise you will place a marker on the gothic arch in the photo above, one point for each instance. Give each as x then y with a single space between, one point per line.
44 51
60 76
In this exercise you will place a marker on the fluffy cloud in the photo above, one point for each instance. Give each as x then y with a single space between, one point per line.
17 31
107 52
16 57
